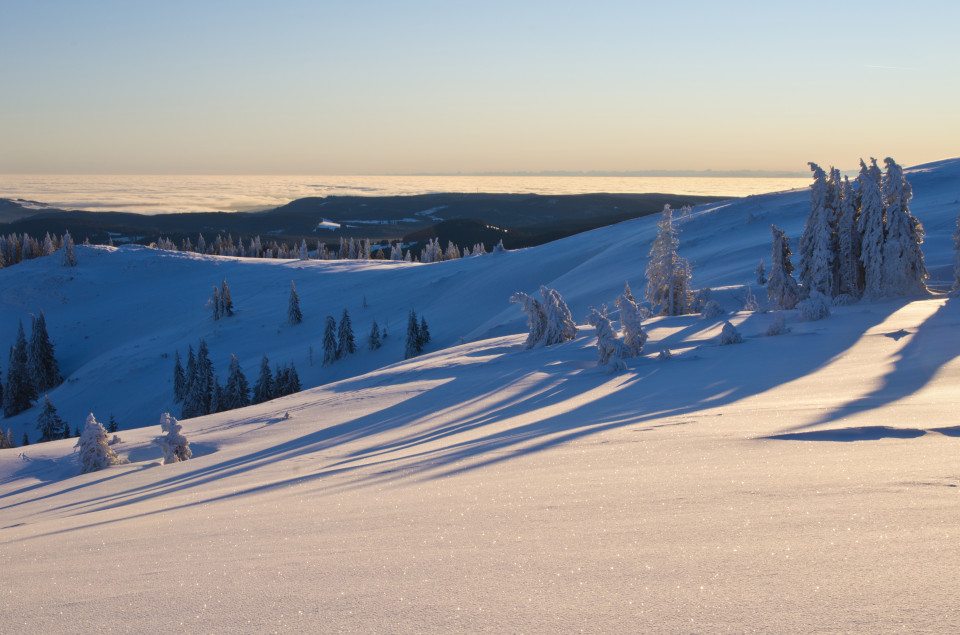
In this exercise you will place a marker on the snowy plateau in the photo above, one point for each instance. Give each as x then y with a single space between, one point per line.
798 483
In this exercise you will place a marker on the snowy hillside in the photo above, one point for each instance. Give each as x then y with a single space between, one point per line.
794 483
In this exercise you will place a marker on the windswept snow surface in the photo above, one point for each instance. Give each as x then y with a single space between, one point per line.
803 482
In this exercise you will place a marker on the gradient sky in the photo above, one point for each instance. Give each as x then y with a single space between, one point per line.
355 87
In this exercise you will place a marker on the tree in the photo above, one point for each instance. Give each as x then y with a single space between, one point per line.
263 389
871 224
179 380
217 398
611 350
782 289
668 274
849 270
373 340
631 319
112 425
761 272
413 346
69 259
818 248
50 425
550 321
225 300
536 318
424 332
346 345
237 391
94 449
330 341
216 303
729 334
44 371
904 270
174 445
19 393
955 292
294 315
6 440
293 379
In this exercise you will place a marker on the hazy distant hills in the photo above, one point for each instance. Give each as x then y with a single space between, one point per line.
521 219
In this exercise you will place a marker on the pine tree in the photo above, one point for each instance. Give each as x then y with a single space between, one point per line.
818 241
225 300
112 425
69 259
536 318
345 340
279 381
330 341
761 272
413 337
611 350
6 440
218 401
94 449
849 271
293 380
904 270
237 391
179 380
424 332
216 303
872 227
668 274
263 389
44 371
174 445
373 340
26 440
782 289
558 321
294 316
49 423
19 393
631 319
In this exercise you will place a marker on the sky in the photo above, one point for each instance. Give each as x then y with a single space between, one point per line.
316 87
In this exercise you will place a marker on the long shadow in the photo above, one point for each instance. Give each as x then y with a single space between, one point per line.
915 364
846 435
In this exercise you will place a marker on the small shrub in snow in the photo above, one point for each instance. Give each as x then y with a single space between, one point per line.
115 440
778 326
815 307
665 354
94 449
174 445
711 310
749 300
730 335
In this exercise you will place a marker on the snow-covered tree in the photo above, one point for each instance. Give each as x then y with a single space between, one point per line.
216 303
611 351
19 393
778 326
346 343
782 289
536 318
818 249
330 341
179 380
849 270
904 270
225 300
294 315
424 332
549 320
373 340
44 371
668 274
173 444
634 337
218 400
761 272
112 425
955 292
871 224
94 449
69 259
49 423
263 389
413 345
729 334
293 379
815 307
236 393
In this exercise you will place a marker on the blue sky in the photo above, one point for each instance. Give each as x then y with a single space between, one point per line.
386 88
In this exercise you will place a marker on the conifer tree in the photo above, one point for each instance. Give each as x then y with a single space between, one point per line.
44 371
668 274
294 315
818 241
849 271
373 340
69 259
536 317
179 380
611 350
424 332
872 226
330 341
173 444
263 389
26 439
237 391
413 337
955 291
293 380
631 319
19 393
345 339
550 321
218 400
49 423
112 425
93 448
761 272
279 381
904 270
225 301
216 303
782 289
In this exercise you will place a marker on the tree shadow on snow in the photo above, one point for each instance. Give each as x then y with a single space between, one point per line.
845 435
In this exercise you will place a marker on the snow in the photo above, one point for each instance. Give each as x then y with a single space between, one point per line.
327 224
805 482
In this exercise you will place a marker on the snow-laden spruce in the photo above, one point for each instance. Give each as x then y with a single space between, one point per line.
815 307
93 447
329 341
634 337
778 326
849 269
44 371
294 314
871 225
818 248
346 344
610 349
174 445
904 271
782 289
668 274
236 393
49 423
550 321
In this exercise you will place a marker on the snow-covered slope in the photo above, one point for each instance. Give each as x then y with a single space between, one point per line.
800 482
